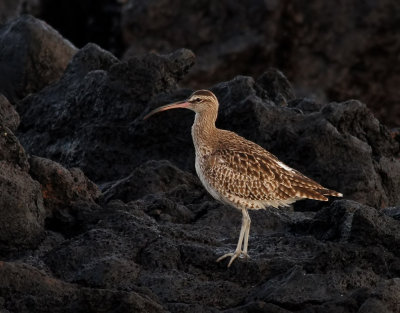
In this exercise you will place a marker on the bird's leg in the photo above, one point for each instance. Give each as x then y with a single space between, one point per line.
238 250
246 235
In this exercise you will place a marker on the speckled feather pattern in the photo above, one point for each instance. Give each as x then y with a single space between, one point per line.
245 175
239 172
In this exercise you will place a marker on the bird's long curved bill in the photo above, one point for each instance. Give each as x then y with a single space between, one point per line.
176 105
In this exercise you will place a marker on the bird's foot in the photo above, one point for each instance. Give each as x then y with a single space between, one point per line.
233 255
245 255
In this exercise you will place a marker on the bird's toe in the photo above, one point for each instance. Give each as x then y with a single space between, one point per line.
232 255
225 256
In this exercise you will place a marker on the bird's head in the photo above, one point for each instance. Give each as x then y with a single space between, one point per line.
199 101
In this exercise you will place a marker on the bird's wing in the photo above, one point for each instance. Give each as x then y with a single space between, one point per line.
247 171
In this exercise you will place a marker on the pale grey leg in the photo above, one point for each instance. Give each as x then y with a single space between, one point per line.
246 235
243 229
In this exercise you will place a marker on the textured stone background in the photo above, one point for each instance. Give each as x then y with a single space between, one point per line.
101 211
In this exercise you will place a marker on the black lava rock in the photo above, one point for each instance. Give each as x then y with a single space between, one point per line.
32 55
21 204
97 106
84 130
8 116
69 196
34 291
149 240
330 51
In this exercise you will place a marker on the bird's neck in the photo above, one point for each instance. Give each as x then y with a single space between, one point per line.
204 131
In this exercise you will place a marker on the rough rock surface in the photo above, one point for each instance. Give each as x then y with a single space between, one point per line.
93 114
8 115
300 262
26 289
92 118
21 203
69 196
32 55
149 242
336 50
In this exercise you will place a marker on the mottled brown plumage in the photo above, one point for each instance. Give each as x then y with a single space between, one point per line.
239 172
247 176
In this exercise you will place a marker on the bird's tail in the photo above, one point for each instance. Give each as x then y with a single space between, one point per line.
307 188
317 193
330 192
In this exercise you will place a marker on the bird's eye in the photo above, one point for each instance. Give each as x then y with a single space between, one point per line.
197 100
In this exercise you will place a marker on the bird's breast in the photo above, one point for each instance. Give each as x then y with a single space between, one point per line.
201 173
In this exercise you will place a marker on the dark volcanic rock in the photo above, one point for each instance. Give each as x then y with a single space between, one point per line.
332 51
174 264
276 86
99 124
62 187
32 55
228 36
92 117
150 178
69 196
284 289
8 116
21 203
350 221
25 289
392 212
306 136
164 258
150 242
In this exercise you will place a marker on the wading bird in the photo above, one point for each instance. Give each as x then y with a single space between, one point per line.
239 172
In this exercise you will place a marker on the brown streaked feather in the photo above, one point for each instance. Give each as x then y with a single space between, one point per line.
245 174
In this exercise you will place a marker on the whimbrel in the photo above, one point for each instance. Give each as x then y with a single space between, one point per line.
239 172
